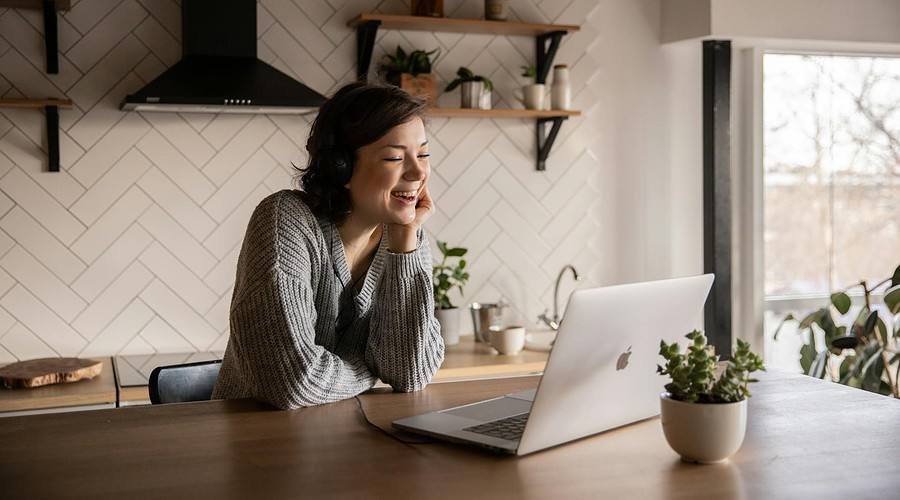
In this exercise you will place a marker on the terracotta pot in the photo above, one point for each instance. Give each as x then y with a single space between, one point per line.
424 85
449 320
703 433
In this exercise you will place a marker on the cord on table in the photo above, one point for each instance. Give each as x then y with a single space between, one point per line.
392 435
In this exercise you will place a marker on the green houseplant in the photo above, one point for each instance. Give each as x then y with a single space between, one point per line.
704 417
411 71
861 354
450 273
475 91
533 93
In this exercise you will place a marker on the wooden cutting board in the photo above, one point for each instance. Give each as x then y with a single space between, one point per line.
46 371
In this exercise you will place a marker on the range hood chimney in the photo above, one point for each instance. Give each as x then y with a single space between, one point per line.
219 71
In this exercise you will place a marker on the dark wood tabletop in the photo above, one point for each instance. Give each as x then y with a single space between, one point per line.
805 439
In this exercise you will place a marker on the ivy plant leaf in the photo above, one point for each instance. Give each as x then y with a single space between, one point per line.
895 280
789 317
817 369
841 302
456 252
892 299
807 356
811 318
871 372
871 321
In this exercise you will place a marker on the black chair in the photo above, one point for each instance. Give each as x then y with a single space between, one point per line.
183 383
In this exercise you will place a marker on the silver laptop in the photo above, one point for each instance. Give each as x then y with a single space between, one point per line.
601 373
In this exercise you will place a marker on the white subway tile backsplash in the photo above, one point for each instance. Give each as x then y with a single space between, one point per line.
42 320
106 34
43 207
42 283
176 167
178 241
176 203
111 301
112 262
136 242
111 224
42 245
178 314
178 278
105 153
110 187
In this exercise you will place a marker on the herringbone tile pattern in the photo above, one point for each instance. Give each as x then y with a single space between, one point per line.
132 247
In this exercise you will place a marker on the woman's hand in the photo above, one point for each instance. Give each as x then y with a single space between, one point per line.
402 237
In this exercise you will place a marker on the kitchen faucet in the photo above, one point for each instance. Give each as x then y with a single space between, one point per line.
553 322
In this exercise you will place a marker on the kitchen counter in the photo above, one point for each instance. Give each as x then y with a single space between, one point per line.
96 393
124 379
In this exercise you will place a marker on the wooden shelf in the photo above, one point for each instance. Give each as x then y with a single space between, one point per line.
35 103
422 23
500 113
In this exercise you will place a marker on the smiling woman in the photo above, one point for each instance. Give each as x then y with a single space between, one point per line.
333 287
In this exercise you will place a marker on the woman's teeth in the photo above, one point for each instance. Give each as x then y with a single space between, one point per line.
405 195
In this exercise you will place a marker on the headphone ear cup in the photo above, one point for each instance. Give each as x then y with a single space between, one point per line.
342 163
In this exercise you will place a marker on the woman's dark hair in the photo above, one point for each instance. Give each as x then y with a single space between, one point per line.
356 115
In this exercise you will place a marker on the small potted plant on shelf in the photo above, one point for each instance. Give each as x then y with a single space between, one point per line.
475 91
532 94
411 72
447 275
704 418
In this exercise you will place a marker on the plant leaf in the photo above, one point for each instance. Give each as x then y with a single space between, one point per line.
807 356
817 369
892 299
789 317
841 302
895 280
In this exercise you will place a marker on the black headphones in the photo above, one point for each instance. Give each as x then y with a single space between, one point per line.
334 157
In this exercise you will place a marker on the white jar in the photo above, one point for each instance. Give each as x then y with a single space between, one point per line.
560 91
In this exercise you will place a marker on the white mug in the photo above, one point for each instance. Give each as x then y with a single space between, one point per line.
533 96
508 340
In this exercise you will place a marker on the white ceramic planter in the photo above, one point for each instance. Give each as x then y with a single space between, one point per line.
703 433
449 320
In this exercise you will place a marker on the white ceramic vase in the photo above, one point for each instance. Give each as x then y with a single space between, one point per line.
449 320
560 91
703 433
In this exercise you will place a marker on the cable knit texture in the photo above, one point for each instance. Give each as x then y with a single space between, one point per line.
301 335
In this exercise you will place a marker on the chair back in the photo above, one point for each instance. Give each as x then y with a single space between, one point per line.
183 383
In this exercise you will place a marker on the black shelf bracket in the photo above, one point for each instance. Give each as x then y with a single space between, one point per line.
51 39
365 42
52 119
544 55
544 144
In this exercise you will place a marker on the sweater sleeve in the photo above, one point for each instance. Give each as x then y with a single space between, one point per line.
274 325
405 347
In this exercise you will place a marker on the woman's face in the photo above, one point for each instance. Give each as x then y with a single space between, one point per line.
389 175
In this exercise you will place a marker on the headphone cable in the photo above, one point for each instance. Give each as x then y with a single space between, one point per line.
391 434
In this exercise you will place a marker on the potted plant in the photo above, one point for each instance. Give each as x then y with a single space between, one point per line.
861 355
703 417
532 94
411 72
447 275
475 92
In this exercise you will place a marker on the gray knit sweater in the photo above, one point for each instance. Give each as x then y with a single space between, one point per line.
301 335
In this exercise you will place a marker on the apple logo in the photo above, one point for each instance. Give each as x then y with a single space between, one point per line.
623 359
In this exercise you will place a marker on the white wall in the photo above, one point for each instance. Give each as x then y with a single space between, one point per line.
132 247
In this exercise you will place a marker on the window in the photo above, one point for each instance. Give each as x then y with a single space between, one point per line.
831 157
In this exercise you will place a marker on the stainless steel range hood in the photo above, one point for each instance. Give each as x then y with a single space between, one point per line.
219 71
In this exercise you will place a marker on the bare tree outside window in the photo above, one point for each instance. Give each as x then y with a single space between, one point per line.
832 173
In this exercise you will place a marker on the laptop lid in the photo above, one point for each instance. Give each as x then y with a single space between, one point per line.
601 372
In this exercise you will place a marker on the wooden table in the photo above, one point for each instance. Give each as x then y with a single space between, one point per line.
806 439
98 392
